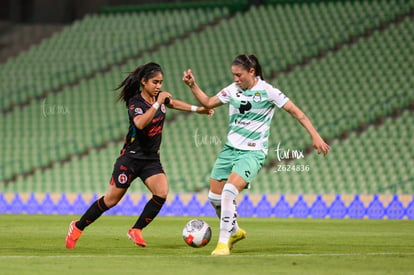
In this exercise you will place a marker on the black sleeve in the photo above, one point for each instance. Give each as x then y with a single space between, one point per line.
135 108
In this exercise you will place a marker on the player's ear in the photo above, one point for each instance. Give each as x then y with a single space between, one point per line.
252 72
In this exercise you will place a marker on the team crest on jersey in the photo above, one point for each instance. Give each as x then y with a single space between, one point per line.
257 97
138 111
163 108
122 178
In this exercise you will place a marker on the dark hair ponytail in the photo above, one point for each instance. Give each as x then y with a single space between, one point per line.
131 85
249 62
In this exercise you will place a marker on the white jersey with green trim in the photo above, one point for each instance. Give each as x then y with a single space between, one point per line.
251 112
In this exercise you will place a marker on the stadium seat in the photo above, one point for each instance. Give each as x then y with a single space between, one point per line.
84 116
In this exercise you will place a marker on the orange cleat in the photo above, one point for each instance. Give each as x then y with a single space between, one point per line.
73 235
135 235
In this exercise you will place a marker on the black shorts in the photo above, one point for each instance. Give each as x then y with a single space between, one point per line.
127 169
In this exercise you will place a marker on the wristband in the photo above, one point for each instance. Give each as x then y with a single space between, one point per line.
193 108
156 105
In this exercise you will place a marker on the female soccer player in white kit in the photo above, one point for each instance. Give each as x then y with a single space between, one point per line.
252 102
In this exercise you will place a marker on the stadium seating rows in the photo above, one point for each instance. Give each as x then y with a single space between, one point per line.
98 41
85 116
363 163
90 45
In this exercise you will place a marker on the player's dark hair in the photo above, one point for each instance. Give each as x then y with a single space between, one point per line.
131 85
249 62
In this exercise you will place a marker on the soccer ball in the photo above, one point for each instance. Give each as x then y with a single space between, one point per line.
197 233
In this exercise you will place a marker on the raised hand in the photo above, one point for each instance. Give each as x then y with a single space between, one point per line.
188 78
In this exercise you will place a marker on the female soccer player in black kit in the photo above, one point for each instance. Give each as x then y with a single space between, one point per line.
141 91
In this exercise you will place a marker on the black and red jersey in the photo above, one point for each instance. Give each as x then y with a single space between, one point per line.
145 143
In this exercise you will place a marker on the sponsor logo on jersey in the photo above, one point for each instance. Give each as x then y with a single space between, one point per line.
244 106
242 122
163 108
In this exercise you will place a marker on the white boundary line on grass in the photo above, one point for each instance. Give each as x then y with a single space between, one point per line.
204 256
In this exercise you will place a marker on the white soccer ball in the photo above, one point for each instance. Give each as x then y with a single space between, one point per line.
197 233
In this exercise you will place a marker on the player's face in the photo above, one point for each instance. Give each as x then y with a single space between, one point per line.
153 85
243 78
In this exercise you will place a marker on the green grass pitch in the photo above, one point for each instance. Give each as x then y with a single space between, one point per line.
34 244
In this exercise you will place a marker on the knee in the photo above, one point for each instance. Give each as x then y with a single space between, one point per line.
161 193
216 186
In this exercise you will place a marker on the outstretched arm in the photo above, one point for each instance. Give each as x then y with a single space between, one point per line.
183 106
205 100
317 142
